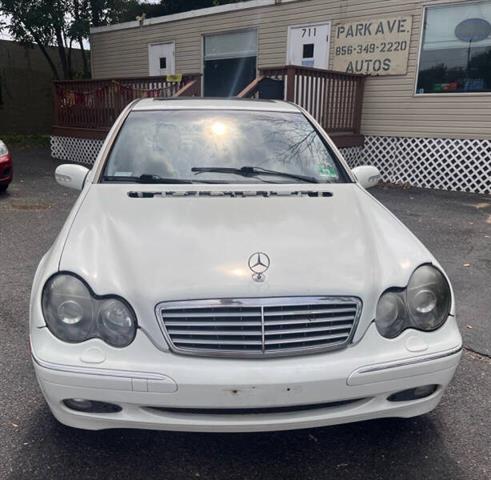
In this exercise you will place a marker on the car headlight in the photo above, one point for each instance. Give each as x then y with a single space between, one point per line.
74 314
3 149
423 305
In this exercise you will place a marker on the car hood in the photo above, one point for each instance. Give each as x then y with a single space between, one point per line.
335 240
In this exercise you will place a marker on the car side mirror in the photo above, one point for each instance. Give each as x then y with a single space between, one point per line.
367 175
71 176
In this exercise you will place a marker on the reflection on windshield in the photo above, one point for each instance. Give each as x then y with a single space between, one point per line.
171 143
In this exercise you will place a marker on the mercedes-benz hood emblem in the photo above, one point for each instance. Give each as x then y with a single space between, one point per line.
259 263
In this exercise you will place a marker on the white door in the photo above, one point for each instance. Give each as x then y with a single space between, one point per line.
308 45
161 59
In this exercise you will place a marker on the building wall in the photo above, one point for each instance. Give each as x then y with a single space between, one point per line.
390 106
26 83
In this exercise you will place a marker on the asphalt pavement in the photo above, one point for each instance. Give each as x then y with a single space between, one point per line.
452 442
456 227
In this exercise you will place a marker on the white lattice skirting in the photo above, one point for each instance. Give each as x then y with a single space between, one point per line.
462 165
80 150
353 155
441 163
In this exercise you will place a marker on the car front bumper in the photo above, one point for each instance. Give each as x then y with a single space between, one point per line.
161 390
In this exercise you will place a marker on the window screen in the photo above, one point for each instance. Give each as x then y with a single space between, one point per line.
231 45
308 50
456 50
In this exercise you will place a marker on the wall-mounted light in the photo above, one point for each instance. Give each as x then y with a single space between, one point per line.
141 19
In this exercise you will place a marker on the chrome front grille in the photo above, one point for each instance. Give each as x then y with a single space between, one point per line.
259 326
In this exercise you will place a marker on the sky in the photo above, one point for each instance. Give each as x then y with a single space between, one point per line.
4 35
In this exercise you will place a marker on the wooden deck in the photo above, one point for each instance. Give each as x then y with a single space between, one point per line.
88 108
334 99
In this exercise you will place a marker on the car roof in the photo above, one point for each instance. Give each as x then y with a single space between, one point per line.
214 104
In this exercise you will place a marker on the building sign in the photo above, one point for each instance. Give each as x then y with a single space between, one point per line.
175 78
373 47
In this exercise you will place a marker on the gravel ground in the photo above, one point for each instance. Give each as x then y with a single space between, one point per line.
450 443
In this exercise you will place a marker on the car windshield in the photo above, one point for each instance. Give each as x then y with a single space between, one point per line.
222 147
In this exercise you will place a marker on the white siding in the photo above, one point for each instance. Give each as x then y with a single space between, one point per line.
390 106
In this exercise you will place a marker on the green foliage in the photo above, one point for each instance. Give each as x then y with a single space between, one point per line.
25 141
65 24
60 23
31 20
135 8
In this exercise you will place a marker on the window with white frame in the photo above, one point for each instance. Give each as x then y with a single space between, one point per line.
455 53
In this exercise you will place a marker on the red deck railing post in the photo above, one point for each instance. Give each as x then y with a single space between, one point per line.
360 87
56 104
290 83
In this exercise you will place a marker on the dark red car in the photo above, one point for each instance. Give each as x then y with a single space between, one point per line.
6 168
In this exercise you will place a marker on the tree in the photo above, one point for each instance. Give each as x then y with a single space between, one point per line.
60 24
35 22
63 23
135 8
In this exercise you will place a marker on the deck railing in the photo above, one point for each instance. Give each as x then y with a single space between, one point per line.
88 108
334 99
95 104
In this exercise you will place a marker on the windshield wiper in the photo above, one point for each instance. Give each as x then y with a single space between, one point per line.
254 172
145 178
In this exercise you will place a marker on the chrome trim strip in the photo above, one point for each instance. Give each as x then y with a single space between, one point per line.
259 302
411 361
263 337
105 372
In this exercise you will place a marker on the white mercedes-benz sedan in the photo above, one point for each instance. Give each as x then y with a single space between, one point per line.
223 269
